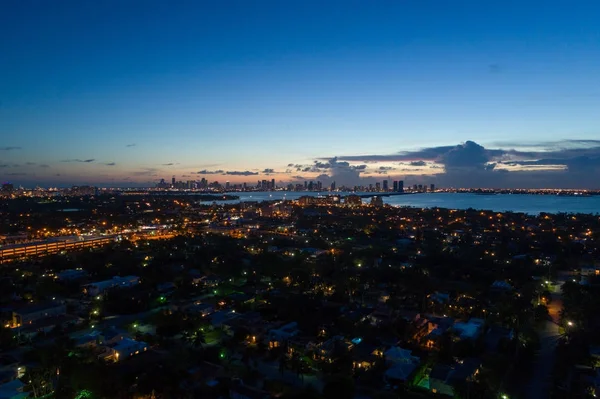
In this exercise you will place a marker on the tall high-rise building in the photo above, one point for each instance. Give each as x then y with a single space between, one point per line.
333 186
377 186
415 187
226 185
305 185
385 185
401 186
272 184
432 187
319 185
395 186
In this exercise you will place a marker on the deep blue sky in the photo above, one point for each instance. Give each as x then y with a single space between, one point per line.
254 85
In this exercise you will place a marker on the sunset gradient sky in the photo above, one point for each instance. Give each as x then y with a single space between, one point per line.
501 93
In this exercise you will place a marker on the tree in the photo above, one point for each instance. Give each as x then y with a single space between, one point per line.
339 387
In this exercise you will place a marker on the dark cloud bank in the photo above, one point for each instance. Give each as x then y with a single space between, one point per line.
560 164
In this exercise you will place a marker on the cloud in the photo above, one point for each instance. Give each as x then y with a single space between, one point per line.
110 164
571 163
228 172
16 174
467 155
79 160
268 171
146 172
169 164
131 145
9 148
240 173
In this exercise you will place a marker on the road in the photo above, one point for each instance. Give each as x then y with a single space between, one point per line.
271 371
539 386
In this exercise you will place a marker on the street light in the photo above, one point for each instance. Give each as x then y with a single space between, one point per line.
570 323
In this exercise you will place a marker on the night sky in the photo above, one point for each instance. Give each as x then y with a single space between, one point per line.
460 93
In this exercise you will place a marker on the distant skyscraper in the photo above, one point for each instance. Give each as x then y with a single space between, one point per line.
333 186
310 186
395 186
432 187
377 186
401 186
173 181
272 184
385 185
319 185
226 185
415 187
305 185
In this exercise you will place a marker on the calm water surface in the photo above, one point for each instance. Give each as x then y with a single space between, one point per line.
531 204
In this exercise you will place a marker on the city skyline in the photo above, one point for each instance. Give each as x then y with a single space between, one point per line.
463 95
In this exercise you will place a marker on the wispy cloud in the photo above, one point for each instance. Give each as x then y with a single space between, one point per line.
110 164
146 172
209 172
9 148
169 164
79 160
131 145
240 173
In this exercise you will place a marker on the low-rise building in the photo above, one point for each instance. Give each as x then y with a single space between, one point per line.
32 313
99 287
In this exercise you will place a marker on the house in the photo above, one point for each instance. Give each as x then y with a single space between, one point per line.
32 313
48 324
401 364
470 329
218 319
100 287
365 356
125 349
443 378
277 336
71 274
381 315
202 309
329 350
